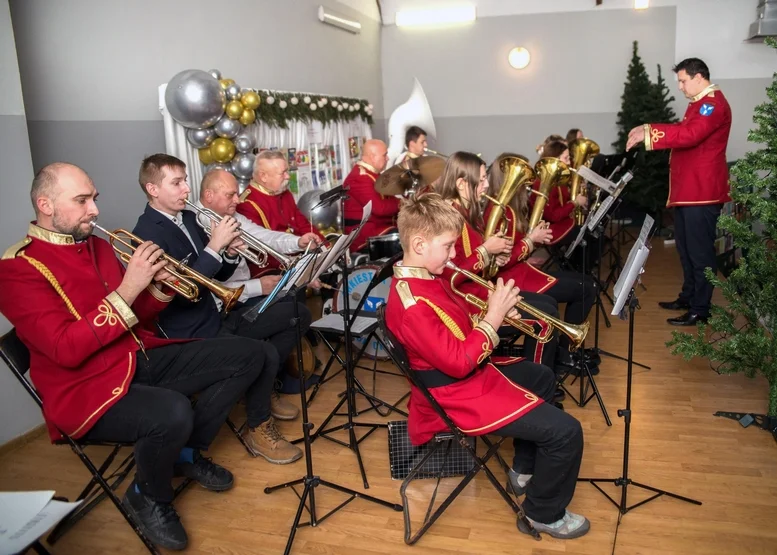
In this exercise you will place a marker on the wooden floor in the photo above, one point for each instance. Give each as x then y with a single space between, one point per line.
676 444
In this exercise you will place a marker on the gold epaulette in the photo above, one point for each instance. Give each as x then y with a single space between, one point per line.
403 290
244 194
16 249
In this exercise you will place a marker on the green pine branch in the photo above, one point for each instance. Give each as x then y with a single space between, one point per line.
282 110
740 336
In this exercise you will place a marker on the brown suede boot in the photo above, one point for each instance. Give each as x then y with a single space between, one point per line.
281 409
266 441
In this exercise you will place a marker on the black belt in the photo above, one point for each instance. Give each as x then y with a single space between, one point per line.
352 222
435 378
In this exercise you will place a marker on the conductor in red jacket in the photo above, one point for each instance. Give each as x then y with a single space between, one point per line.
101 371
360 184
698 182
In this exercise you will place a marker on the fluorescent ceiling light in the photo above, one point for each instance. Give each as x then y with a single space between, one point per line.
338 20
641 4
442 16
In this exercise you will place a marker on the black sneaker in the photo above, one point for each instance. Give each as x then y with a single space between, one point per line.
159 521
205 472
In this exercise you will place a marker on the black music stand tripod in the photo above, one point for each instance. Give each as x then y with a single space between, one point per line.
625 294
310 480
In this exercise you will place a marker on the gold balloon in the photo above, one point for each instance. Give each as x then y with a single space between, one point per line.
206 157
226 83
248 117
223 150
234 109
251 100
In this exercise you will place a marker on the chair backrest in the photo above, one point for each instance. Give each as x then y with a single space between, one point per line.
17 357
399 356
384 272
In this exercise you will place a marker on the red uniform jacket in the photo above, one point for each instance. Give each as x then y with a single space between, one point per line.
274 212
360 184
437 332
60 296
558 210
698 173
526 276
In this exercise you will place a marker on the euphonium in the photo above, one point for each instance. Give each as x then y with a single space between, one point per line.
581 152
575 333
186 279
517 173
255 252
552 172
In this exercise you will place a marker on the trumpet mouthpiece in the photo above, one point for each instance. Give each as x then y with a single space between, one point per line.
451 265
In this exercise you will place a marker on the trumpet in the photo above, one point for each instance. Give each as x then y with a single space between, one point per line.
435 153
575 333
255 252
187 280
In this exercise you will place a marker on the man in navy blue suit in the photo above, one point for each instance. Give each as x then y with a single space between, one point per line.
165 222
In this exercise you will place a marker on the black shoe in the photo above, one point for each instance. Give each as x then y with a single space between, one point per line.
678 304
687 319
592 356
159 521
559 395
205 472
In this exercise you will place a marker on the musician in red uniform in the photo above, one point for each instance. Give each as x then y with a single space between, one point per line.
452 358
698 182
573 288
102 373
267 202
360 185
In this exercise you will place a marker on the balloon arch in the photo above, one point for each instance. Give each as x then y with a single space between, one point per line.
212 122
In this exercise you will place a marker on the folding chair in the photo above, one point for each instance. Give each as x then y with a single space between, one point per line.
328 334
17 357
446 439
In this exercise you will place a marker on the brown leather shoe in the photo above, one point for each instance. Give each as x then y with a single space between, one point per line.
266 441
281 409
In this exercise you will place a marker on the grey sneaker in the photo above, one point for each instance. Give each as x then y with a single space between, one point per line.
568 527
515 480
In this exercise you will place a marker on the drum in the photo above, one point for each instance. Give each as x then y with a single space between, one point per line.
308 360
383 246
358 280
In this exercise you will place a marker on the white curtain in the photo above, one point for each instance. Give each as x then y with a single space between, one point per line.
300 135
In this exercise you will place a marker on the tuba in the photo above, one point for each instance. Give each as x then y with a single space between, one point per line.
581 152
575 333
552 172
415 111
517 173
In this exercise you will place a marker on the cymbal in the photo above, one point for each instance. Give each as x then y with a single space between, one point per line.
398 179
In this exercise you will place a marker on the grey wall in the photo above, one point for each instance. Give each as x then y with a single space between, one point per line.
18 413
90 71
575 78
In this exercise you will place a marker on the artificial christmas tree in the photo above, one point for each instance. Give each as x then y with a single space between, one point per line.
645 102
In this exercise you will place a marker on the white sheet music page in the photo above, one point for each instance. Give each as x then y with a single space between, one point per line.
26 515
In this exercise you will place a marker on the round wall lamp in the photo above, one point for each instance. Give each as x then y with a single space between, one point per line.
519 57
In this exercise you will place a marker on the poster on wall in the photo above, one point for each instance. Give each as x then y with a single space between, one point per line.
304 175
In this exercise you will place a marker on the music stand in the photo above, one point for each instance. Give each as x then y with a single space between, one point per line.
302 272
585 363
625 296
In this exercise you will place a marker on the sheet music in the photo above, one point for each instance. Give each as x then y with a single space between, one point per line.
599 214
647 225
595 179
628 278
26 515
335 321
576 242
301 270
365 216
331 256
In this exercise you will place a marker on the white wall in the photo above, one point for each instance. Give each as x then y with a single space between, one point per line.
18 413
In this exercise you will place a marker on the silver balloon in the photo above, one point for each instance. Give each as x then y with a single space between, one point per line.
244 142
243 165
215 73
242 184
217 166
195 99
200 138
228 128
234 92
322 217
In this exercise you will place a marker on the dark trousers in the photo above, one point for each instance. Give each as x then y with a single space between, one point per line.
577 291
157 415
694 232
274 326
548 444
592 254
